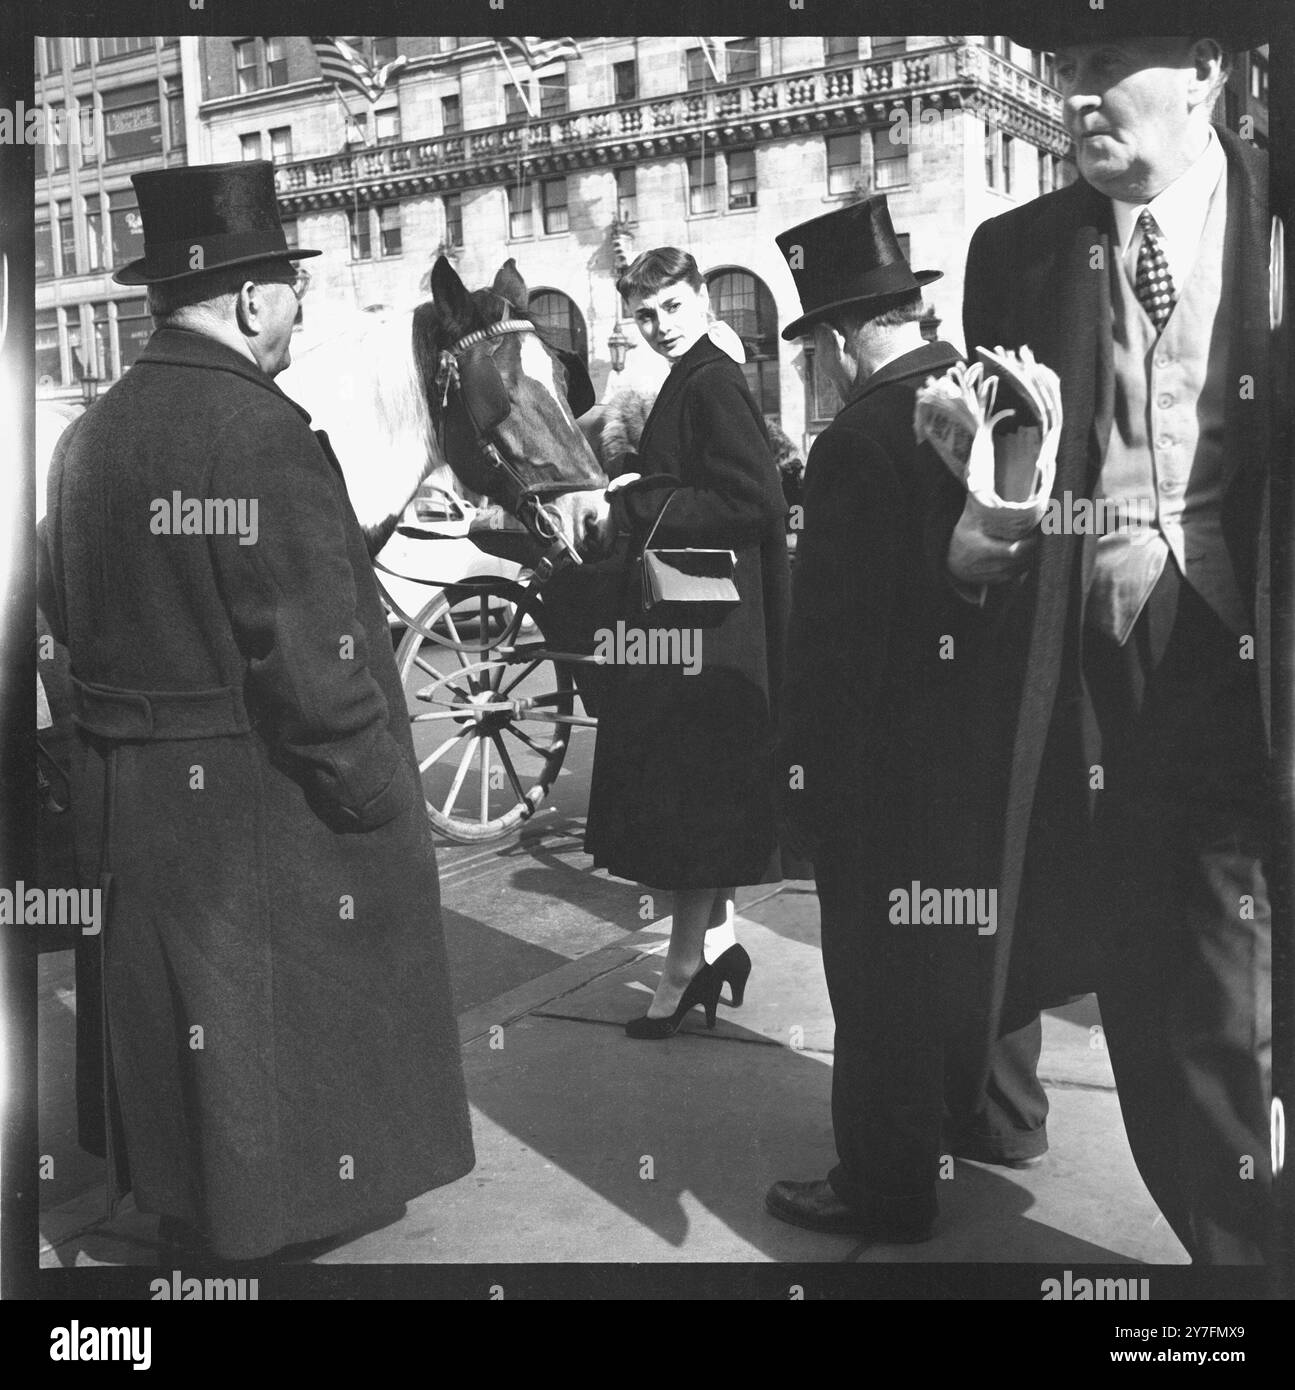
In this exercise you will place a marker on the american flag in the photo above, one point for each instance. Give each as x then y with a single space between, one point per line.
535 52
341 64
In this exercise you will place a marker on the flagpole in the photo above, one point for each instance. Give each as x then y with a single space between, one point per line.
523 92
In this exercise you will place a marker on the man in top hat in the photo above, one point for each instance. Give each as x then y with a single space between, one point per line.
869 746
279 1058
1137 806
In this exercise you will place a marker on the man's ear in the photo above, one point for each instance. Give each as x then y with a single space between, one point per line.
1209 71
248 293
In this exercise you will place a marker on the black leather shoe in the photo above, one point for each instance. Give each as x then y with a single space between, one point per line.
816 1207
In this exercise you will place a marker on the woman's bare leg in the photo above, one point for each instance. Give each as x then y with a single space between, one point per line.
693 910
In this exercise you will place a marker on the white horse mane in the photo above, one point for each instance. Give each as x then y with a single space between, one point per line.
359 381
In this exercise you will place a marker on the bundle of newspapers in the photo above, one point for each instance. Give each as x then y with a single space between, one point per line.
1006 459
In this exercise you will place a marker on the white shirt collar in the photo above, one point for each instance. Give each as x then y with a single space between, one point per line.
1180 212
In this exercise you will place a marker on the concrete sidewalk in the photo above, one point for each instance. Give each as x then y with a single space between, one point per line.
594 1147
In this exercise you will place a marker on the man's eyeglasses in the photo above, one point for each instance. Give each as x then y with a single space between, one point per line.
299 283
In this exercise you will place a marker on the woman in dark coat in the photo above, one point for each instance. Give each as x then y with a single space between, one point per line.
682 793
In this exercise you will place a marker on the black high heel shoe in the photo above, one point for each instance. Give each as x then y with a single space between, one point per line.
735 967
703 989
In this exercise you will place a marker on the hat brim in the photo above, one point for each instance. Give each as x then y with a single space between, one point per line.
136 272
797 326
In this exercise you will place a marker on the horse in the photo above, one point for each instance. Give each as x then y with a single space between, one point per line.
464 391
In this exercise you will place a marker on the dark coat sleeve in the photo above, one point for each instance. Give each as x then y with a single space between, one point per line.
292 603
736 496
848 564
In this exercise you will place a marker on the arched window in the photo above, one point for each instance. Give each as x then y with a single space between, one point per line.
557 317
744 302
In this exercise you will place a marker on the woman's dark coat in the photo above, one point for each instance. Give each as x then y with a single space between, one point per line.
284 1054
682 792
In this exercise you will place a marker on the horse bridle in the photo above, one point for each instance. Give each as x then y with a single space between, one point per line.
514 494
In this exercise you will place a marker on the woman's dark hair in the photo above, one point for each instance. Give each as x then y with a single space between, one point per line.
654 270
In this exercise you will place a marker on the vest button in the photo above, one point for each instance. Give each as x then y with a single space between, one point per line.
1163 442
1163 360
1165 402
1169 486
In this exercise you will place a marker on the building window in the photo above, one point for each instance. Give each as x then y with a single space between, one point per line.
514 107
886 47
889 161
701 185
117 48
99 331
744 302
553 94
451 115
134 328
841 50
51 50
386 124
96 250
741 179
454 219
281 142
80 52
1043 66
361 234
290 232
260 63
627 195
126 225
250 145
742 60
695 69
1051 172
556 316
56 134
389 229
384 51
1258 77
1000 44
66 240
553 202
44 251
132 122
447 43
519 210
175 114
844 164
49 370
625 81
999 154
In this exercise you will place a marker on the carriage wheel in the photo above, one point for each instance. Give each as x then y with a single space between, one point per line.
489 727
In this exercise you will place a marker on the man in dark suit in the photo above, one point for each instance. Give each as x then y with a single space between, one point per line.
266 1012
1133 688
869 748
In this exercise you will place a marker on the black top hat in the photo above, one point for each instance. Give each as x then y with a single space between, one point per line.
846 257
204 217
1236 24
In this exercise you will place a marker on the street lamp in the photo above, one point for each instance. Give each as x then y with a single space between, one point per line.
89 389
618 345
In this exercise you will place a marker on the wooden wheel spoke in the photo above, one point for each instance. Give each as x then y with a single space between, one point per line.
484 745
459 775
521 676
518 790
529 741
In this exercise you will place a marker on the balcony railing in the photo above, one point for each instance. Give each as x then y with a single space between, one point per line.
770 106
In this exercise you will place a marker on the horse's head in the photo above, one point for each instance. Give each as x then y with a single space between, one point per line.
490 377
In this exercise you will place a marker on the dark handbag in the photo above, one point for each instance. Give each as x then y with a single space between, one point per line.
690 586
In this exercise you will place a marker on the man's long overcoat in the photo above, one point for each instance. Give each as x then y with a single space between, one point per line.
283 1046
1039 275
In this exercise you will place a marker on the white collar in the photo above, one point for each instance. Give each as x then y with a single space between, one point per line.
1180 212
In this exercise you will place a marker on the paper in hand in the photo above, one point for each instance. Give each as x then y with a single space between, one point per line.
1006 458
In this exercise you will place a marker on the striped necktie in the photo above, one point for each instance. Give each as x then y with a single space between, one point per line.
1154 286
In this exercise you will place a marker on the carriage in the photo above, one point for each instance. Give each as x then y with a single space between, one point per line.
496 665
